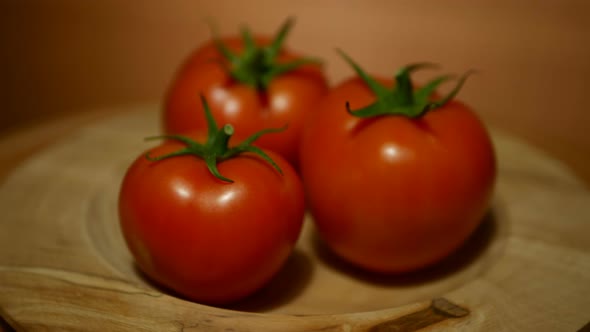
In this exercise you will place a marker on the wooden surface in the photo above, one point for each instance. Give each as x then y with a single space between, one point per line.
64 265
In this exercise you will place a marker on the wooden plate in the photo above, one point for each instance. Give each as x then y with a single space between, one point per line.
64 265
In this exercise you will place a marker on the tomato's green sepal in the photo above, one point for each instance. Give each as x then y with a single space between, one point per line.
246 146
257 66
216 147
452 94
403 99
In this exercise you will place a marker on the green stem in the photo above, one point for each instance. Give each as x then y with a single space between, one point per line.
218 143
257 65
216 149
402 99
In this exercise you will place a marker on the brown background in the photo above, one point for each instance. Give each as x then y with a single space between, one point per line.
533 57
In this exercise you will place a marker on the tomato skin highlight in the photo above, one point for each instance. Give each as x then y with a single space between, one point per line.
394 194
210 241
286 101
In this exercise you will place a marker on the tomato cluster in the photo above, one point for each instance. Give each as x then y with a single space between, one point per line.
394 176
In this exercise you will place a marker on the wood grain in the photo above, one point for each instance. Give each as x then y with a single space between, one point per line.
64 265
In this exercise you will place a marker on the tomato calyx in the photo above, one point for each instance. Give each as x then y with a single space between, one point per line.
403 99
216 147
257 65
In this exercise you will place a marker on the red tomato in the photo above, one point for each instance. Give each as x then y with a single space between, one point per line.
244 92
392 192
210 240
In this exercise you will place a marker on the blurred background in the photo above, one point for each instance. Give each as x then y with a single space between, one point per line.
63 57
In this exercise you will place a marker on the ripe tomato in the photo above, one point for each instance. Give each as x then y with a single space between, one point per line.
212 233
403 181
252 83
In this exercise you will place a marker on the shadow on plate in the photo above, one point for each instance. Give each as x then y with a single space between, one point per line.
472 250
287 284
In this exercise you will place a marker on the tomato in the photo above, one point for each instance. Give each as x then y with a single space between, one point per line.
212 229
251 82
400 182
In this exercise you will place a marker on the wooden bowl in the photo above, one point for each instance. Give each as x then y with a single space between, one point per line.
64 264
